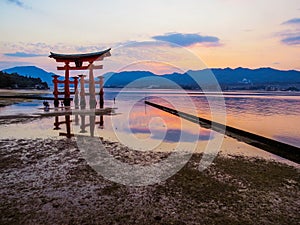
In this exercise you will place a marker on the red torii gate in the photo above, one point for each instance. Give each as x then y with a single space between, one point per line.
78 60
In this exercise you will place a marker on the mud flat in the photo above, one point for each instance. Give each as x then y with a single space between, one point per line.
47 181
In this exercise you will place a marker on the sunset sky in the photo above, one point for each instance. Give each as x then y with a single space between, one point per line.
220 33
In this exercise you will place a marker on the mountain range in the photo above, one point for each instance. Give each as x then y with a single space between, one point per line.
227 77
32 71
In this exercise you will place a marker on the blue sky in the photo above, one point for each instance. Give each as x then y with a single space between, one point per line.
222 33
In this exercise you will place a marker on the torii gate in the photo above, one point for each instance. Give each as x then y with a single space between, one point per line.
78 60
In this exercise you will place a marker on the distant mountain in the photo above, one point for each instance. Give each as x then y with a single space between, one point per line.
32 71
15 81
227 78
256 76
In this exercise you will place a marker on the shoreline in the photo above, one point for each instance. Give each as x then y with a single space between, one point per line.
31 123
4 101
47 181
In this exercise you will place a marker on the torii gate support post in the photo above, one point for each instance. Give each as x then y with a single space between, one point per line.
101 96
67 101
92 93
101 93
76 100
82 103
55 91
82 92
92 87
75 86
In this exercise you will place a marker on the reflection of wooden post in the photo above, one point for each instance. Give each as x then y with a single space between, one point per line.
92 87
68 126
55 91
56 123
101 125
67 121
82 125
92 125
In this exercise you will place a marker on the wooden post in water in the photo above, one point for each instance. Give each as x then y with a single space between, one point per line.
76 99
82 92
92 87
75 84
55 91
92 95
67 101
101 100
82 103
101 92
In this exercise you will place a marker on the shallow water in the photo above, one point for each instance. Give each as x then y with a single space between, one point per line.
274 115
143 127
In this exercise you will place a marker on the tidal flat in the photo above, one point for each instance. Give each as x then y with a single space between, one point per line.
47 181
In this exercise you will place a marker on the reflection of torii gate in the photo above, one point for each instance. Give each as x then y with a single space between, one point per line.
78 60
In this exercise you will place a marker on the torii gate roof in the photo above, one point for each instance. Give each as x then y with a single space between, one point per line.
94 56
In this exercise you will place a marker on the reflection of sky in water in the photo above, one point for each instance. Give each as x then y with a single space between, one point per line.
262 106
22 107
276 116
167 130
146 122
174 136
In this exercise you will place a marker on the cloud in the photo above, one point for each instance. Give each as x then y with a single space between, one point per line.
18 3
188 39
23 55
291 36
293 40
91 48
292 21
133 44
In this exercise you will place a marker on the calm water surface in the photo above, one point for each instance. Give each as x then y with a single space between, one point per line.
275 115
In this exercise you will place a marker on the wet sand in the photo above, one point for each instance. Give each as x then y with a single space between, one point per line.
47 181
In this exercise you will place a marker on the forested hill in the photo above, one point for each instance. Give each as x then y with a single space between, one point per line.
16 81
